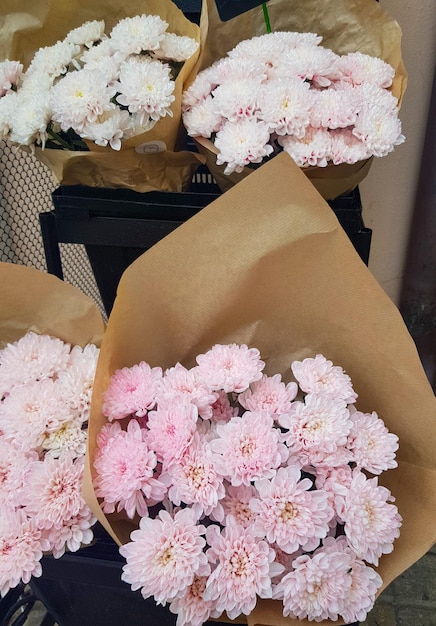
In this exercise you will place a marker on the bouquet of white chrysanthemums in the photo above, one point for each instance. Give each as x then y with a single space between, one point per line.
93 86
94 92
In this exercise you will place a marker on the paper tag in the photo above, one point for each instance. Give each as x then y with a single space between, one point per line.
151 147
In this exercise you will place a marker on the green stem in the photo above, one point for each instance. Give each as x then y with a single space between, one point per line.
266 17
56 138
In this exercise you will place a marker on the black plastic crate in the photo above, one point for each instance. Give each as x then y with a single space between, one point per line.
118 225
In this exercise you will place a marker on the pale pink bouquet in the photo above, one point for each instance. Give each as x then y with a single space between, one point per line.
283 91
45 394
247 487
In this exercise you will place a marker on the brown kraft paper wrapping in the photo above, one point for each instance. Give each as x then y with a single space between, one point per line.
356 26
267 264
35 301
25 27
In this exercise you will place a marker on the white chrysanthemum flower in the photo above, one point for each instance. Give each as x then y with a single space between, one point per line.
109 128
95 55
87 34
378 129
243 142
175 47
202 120
10 75
69 437
80 97
146 88
76 382
133 35
54 60
8 106
31 116
311 150
235 100
285 106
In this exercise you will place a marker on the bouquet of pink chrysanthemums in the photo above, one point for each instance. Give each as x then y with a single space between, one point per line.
49 338
45 395
247 487
284 91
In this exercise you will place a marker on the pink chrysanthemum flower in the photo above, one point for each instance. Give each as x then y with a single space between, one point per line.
360 596
194 479
236 503
372 521
318 429
311 63
179 380
289 513
238 99
346 147
34 357
54 490
249 448
378 129
334 108
231 367
336 482
171 429
232 70
311 150
241 143
202 120
165 555
243 566
125 472
285 106
190 606
200 89
361 68
31 411
78 379
15 465
74 533
320 376
269 394
145 87
222 409
21 549
132 391
373 446
315 588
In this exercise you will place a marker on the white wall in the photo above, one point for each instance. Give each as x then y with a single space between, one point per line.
388 192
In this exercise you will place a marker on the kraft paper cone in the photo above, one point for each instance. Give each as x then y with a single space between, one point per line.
25 27
267 264
358 26
33 300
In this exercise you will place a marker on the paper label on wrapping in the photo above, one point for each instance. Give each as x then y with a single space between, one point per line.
151 147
